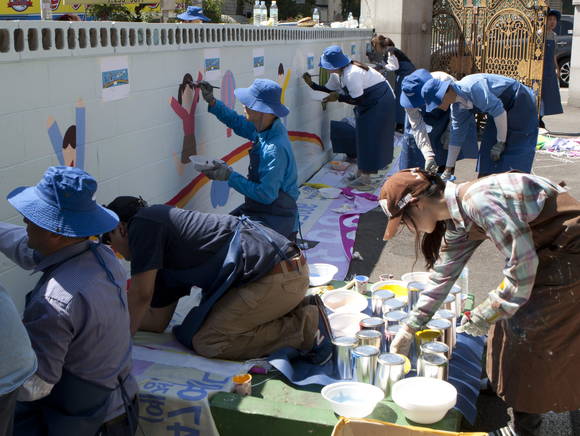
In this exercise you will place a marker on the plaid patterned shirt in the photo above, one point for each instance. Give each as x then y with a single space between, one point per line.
502 205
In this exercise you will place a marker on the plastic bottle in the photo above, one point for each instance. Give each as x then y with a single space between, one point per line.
263 13
316 16
256 13
274 12
349 20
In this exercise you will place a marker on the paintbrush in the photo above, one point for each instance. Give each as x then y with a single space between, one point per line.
197 85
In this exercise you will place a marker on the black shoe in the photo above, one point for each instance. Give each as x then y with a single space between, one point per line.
323 349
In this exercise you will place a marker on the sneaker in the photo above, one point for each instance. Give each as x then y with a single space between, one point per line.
322 350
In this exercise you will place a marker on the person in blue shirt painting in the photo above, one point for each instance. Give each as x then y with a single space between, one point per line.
511 132
271 187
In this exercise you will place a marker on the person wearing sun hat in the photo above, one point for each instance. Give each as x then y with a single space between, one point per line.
193 14
83 383
271 188
511 132
531 318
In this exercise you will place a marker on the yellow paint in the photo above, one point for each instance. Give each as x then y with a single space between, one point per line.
285 85
242 378
316 185
407 366
424 336
398 290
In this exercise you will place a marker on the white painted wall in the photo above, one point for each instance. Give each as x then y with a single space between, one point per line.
130 143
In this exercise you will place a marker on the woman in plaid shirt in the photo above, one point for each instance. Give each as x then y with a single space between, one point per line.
532 323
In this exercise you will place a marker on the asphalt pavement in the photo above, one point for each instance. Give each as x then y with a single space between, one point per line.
485 267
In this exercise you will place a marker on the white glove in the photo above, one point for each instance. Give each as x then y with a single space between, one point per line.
431 166
403 340
474 324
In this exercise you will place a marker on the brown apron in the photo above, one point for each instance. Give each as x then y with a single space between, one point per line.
533 358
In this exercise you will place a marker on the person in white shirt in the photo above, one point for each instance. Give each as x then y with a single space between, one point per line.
357 84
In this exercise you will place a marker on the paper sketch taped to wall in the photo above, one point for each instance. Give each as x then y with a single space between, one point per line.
259 62
184 107
227 94
70 149
310 62
212 63
353 49
115 78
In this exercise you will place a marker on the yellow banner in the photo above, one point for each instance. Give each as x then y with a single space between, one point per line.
30 9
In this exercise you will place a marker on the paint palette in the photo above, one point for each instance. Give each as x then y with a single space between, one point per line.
201 163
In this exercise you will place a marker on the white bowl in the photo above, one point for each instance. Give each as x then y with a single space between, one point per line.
344 301
345 324
330 192
202 163
421 277
424 400
321 273
352 399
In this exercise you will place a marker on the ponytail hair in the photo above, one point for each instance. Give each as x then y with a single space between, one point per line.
360 65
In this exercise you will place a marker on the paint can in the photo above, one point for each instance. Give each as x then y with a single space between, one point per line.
365 363
449 303
395 317
393 304
378 299
433 348
427 335
370 337
433 366
390 369
449 316
444 326
415 289
459 303
390 334
242 384
343 360
361 284
385 277
377 324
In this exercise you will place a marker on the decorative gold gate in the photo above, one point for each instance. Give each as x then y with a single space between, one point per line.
490 36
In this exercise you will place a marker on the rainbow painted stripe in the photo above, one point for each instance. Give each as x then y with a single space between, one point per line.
186 194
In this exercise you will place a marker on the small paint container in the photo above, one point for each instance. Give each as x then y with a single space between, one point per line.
343 360
393 304
242 384
385 277
361 284
444 326
390 369
449 315
395 317
377 324
449 303
378 299
365 362
415 289
390 334
370 337
433 366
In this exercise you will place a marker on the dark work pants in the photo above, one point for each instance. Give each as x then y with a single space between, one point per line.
527 424
7 406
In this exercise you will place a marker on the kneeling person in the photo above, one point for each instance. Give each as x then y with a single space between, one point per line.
253 279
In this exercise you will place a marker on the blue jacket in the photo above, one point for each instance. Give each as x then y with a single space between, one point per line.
277 169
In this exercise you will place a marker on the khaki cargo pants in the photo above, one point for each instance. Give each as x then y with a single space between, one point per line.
259 318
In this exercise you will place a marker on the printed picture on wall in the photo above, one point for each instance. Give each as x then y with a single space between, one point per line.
70 148
353 49
115 78
310 62
212 64
258 61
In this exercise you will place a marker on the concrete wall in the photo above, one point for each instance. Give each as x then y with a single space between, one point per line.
574 90
132 143
406 22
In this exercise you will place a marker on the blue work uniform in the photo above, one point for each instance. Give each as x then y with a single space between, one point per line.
271 188
406 67
69 315
551 100
492 94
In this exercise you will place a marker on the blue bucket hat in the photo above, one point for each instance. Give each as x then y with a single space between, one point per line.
433 92
263 96
193 13
333 58
63 203
411 88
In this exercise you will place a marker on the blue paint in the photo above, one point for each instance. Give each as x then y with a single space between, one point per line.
220 192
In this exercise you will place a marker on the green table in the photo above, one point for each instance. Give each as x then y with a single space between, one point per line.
279 408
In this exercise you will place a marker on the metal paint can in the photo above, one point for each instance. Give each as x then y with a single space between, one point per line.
365 363
378 299
415 289
395 317
390 369
449 303
361 284
393 304
390 334
434 347
444 326
375 323
343 360
449 316
432 365
370 337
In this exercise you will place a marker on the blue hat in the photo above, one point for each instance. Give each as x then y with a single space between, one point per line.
333 58
433 92
193 13
63 203
263 96
411 88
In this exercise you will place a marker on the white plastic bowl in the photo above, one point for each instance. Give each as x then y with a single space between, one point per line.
352 399
321 273
421 277
330 192
345 324
424 400
344 301
201 163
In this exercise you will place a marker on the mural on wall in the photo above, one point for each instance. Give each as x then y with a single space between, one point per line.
212 63
70 149
227 94
283 81
184 107
259 62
